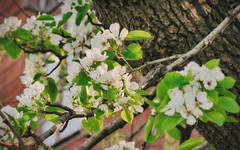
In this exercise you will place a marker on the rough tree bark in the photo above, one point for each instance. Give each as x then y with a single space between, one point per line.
176 27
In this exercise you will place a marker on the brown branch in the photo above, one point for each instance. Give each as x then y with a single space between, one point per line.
135 133
95 138
93 23
6 121
155 62
20 8
55 67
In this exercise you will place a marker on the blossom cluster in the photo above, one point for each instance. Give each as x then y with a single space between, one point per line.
123 145
10 24
190 99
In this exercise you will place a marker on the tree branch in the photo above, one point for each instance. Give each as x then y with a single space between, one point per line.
20 8
155 62
97 137
6 121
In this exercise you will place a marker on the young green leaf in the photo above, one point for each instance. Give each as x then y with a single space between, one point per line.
227 82
11 48
52 117
175 133
82 79
95 124
133 52
148 127
212 95
230 104
142 92
45 17
137 35
225 92
51 89
173 79
81 12
83 96
191 143
86 127
110 94
24 35
54 109
170 122
34 124
215 117
64 18
161 89
212 63
127 115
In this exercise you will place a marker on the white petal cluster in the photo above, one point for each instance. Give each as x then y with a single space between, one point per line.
38 27
192 98
34 64
10 24
82 33
123 145
31 94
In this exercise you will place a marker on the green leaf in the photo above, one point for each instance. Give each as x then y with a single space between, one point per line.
229 104
37 76
51 89
11 48
111 64
212 63
212 95
95 124
175 133
110 94
65 17
45 17
188 77
225 92
34 124
98 112
170 122
82 79
85 126
230 119
227 82
215 117
24 35
54 109
79 2
142 92
173 79
49 45
161 89
191 143
133 52
52 117
148 127
127 115
61 32
137 35
83 96
81 12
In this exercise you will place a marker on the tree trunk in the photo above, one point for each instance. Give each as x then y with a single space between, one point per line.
176 27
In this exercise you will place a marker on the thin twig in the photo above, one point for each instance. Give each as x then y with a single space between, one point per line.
55 67
6 121
135 133
93 23
155 62
21 9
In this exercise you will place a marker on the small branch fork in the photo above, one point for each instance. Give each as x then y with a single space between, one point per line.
6 121
65 117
